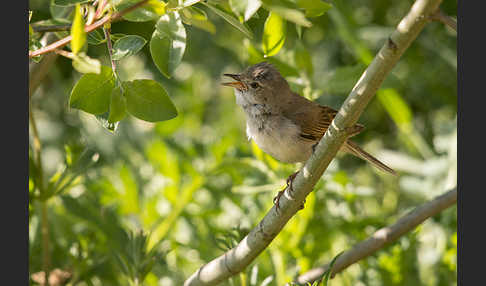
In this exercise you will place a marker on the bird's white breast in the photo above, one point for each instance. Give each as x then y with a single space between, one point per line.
279 138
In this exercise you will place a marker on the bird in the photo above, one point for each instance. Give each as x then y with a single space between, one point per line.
284 124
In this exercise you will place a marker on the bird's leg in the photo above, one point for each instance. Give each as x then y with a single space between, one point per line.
290 179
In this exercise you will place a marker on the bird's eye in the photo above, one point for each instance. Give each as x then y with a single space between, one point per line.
254 85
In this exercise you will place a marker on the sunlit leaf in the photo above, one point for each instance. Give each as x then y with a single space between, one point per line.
148 100
168 43
274 33
84 64
77 31
230 19
92 92
127 46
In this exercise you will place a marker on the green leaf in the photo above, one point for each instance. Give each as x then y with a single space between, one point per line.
196 17
95 37
151 10
127 46
168 43
77 31
314 8
328 272
274 33
148 100
230 19
92 92
84 64
70 2
118 106
287 11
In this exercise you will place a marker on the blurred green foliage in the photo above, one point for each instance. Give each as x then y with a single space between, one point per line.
153 202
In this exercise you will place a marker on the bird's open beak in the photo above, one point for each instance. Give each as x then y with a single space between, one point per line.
238 84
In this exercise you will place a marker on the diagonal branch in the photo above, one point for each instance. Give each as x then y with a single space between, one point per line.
383 236
236 259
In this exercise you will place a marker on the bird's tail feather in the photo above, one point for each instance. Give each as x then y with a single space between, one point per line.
354 149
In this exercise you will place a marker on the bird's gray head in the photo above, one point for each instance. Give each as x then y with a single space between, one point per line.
259 84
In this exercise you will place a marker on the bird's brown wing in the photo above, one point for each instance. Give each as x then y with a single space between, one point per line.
314 119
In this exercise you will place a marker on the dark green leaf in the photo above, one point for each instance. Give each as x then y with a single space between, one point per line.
95 37
230 19
274 33
92 92
84 64
152 10
168 43
148 100
118 106
127 46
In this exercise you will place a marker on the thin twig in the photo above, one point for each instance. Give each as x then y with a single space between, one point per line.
383 236
239 257
89 28
110 51
444 18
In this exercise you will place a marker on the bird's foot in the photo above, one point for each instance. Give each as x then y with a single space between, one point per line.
289 181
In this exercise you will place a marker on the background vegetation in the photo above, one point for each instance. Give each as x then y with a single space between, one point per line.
152 202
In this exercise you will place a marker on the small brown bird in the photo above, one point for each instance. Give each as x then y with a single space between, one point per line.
284 124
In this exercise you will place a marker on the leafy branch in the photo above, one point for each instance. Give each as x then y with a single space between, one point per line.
239 257
106 19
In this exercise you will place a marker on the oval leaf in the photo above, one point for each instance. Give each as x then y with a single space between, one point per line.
118 106
230 19
168 43
148 100
127 46
77 31
151 10
92 92
274 33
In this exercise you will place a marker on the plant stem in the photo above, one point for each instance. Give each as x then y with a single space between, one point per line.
107 19
110 53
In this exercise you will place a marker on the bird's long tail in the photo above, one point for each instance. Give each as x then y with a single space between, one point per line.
354 149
